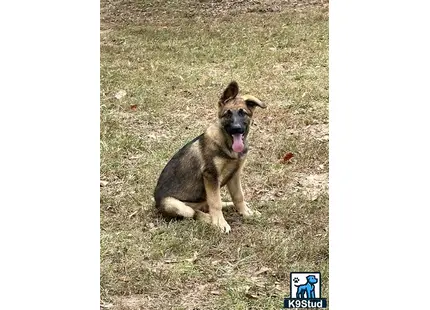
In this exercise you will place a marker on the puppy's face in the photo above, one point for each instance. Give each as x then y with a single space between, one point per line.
235 115
235 119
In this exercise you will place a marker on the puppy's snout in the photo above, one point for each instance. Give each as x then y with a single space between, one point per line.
237 129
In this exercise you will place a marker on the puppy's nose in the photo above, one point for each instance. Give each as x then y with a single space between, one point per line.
237 129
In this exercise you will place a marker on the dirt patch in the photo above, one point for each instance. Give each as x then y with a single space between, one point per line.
195 298
312 186
319 132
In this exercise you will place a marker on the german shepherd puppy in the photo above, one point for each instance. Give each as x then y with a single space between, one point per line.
189 185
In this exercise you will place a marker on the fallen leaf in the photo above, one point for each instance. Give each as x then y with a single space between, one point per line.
260 285
323 138
135 157
133 214
106 306
133 107
103 183
261 270
286 157
120 94
253 296
215 292
193 259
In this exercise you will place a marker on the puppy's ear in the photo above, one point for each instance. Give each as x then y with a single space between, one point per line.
230 92
252 102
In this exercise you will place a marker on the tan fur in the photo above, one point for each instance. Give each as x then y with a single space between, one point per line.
255 100
215 205
178 207
226 168
235 104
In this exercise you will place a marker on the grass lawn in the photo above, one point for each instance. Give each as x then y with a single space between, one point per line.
163 67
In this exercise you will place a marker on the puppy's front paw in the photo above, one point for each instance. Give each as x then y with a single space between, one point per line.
247 212
220 222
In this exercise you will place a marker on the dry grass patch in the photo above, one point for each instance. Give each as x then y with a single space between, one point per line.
163 66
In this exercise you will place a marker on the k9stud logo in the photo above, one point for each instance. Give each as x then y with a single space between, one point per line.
305 291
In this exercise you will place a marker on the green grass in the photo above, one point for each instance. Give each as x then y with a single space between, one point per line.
173 59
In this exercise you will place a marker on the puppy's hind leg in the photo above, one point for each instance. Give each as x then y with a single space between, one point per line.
173 207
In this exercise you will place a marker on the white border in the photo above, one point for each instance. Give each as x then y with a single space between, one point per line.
49 127
379 163
49 123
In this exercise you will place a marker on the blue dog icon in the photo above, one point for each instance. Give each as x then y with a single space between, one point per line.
308 288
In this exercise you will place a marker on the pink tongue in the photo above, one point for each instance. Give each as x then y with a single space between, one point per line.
238 143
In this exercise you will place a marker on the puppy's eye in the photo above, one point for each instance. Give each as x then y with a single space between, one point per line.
241 112
227 113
